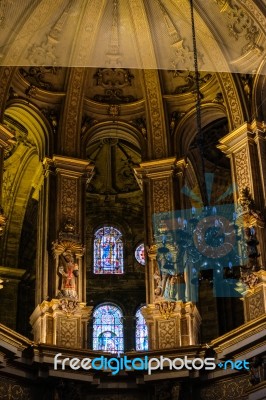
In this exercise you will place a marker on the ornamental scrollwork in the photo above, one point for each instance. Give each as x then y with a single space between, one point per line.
166 308
240 25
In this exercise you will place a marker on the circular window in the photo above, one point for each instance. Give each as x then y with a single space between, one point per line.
140 254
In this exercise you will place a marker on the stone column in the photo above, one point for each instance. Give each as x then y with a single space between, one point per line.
246 148
171 323
61 317
6 141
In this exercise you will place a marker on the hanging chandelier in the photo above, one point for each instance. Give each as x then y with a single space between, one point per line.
205 242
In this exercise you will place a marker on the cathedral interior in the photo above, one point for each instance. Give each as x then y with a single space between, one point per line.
132 197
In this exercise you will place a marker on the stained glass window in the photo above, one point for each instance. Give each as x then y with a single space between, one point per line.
108 329
108 251
140 254
141 332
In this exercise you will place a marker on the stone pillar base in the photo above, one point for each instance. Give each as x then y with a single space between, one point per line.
172 324
61 322
255 297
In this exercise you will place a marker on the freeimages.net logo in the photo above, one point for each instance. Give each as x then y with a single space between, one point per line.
117 364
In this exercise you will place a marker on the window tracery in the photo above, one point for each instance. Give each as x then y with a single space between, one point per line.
140 254
108 251
141 332
108 332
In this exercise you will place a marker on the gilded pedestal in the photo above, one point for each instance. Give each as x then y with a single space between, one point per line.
172 324
61 322
255 296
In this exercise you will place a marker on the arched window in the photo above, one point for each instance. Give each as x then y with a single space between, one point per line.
141 332
140 254
108 332
108 251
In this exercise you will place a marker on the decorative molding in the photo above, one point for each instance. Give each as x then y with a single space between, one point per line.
13 390
240 25
241 169
72 112
189 79
37 76
45 52
182 56
234 388
113 57
69 306
92 13
109 78
233 104
113 110
112 80
161 195
166 308
68 332
69 198
255 304
156 128
167 334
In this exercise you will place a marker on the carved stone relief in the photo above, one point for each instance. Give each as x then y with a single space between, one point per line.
255 304
87 32
182 56
154 102
69 197
226 390
12 391
241 24
241 167
235 115
113 56
40 76
187 80
113 80
72 120
45 52
161 195
167 334
68 332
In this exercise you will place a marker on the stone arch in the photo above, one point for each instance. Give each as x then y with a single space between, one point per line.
21 178
186 130
258 111
119 130
34 122
23 171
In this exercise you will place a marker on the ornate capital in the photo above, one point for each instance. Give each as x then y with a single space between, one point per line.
247 210
62 246
166 308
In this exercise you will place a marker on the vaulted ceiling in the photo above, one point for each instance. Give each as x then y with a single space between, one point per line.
133 33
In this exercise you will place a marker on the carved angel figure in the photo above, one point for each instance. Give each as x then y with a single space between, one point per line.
68 270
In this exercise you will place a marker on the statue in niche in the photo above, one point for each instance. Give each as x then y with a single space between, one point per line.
169 282
68 270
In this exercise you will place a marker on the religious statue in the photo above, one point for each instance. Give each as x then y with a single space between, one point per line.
68 270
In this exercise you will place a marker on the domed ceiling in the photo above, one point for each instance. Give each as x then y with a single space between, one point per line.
133 34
